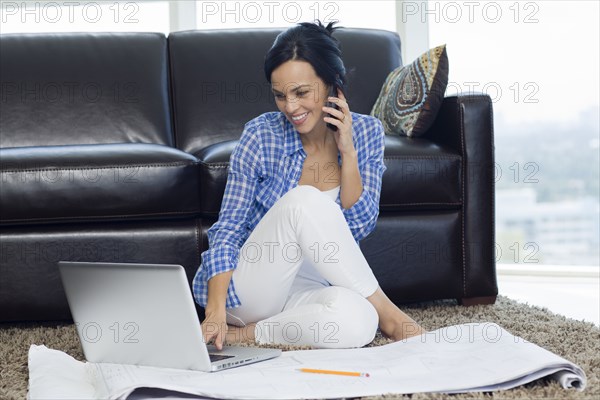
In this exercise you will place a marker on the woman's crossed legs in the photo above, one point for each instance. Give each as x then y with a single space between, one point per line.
285 269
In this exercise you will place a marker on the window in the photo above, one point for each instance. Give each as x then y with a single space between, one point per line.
168 16
378 14
538 61
84 16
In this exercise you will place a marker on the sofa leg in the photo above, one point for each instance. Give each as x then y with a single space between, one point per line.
474 301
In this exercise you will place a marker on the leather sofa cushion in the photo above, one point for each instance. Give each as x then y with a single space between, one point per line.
96 182
419 175
33 289
417 255
84 88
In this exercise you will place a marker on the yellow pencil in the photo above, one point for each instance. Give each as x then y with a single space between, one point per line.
326 371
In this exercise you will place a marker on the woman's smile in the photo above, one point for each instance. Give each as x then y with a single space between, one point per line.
299 119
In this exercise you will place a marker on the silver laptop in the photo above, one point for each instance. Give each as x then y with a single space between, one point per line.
144 314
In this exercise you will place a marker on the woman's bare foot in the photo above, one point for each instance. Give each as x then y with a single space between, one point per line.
239 334
401 327
393 323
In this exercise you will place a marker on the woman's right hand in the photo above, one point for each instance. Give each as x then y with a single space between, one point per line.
214 326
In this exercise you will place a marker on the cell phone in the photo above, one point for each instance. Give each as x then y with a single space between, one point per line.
332 93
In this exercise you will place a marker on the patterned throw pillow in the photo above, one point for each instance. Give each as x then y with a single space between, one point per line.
412 94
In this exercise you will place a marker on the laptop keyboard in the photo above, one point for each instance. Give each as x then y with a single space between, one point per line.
218 357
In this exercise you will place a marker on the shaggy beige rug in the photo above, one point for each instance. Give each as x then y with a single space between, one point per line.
576 341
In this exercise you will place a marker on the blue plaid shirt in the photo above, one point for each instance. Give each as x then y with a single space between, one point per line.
265 164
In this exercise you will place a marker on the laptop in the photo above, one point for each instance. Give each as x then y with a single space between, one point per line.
144 314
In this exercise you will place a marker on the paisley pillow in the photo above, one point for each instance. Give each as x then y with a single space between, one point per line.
412 94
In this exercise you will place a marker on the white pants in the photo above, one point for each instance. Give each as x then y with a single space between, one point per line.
303 279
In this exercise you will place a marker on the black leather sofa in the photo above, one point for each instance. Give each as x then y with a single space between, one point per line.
115 147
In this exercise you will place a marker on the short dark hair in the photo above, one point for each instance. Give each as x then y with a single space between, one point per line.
313 43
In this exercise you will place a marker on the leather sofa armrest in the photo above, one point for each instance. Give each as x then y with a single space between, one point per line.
465 123
463 115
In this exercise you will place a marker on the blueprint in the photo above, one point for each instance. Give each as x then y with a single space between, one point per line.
460 358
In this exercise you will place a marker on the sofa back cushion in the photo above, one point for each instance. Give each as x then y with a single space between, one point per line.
84 88
218 81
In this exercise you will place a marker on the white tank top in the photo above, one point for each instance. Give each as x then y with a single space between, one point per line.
332 193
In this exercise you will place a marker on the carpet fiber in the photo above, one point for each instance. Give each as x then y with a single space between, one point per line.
576 341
